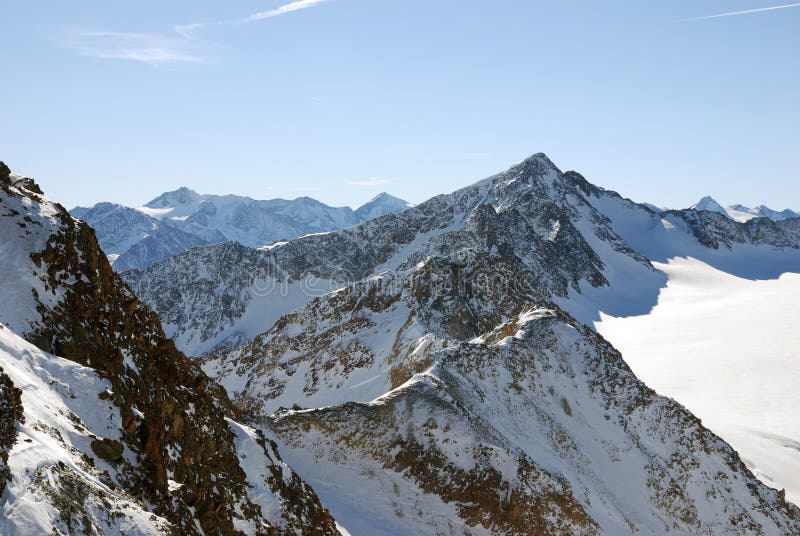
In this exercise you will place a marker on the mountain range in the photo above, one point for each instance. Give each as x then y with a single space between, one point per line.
742 213
136 238
437 371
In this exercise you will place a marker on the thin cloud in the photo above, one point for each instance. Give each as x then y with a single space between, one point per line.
745 12
186 30
370 182
151 49
163 50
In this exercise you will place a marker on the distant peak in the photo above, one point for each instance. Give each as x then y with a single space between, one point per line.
708 203
181 196
383 196
381 204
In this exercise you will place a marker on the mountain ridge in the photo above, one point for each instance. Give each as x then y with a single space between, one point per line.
742 213
362 325
135 238
118 432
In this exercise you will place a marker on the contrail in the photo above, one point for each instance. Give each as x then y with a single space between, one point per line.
732 13
185 30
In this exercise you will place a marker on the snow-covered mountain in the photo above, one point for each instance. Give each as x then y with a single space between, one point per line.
441 369
131 238
708 203
176 221
381 205
105 428
742 213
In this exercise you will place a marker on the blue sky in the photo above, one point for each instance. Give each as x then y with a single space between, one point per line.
342 99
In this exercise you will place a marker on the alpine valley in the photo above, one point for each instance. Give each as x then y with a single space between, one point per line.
439 369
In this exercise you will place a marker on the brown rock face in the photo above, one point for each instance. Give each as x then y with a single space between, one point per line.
108 449
10 415
4 172
174 417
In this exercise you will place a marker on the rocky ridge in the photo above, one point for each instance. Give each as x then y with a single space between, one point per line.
452 394
170 453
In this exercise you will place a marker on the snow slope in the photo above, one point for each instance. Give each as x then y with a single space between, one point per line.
727 348
62 414
708 203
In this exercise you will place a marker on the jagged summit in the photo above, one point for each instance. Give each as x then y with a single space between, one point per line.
537 163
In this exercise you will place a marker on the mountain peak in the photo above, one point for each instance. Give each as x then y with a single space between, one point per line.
181 196
380 205
540 159
708 203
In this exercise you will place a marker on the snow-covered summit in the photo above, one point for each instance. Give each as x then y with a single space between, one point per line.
708 203
380 205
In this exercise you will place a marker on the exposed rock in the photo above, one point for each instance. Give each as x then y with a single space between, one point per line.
184 460
108 449
10 415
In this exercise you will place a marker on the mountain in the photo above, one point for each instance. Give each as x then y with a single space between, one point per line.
105 428
381 205
742 213
709 204
179 220
132 239
435 371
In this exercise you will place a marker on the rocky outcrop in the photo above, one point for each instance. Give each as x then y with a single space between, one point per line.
183 457
10 415
537 427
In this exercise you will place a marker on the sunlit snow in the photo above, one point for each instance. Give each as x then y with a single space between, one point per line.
728 349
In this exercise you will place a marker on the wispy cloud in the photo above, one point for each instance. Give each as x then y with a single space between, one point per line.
186 30
163 50
370 182
152 49
745 12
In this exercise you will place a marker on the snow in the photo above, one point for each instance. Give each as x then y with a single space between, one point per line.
742 213
725 347
157 213
254 462
61 410
708 203
381 205
19 273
